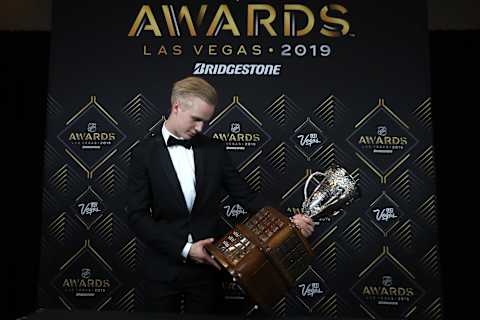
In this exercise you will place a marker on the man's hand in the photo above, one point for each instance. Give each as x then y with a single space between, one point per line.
304 223
198 253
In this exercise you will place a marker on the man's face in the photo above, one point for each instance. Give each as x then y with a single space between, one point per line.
189 116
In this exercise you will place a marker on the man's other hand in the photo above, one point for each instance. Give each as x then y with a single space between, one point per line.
198 253
304 223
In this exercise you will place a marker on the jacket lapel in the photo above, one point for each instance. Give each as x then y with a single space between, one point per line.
199 156
163 157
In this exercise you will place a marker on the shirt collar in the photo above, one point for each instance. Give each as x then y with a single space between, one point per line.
166 134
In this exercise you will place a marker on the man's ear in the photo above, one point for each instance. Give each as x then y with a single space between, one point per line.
175 107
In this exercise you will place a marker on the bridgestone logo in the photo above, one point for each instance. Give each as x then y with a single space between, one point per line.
237 69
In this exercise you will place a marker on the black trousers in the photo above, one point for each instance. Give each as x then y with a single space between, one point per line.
195 290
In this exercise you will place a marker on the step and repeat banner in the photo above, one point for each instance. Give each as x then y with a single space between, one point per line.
303 85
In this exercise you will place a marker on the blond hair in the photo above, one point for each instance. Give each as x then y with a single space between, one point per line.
194 87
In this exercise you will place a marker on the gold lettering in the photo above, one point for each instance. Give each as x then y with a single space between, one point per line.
185 14
177 50
328 19
220 136
266 22
242 50
256 50
169 20
258 16
162 51
287 18
227 50
145 53
375 290
201 14
223 10
151 25
212 50
199 50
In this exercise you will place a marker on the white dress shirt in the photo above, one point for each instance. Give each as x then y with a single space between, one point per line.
184 164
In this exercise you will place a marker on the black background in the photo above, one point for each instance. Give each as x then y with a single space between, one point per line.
453 62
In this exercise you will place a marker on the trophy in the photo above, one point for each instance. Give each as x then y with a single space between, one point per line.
266 254
336 191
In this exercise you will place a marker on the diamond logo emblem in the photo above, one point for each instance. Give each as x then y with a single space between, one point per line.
382 139
387 288
88 207
384 213
86 280
241 132
233 213
308 138
310 289
91 135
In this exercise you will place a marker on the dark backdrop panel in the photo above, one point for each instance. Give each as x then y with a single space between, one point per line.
360 100
25 93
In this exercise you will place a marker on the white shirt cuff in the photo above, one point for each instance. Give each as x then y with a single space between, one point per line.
186 250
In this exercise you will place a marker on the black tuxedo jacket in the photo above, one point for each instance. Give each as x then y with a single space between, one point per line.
156 209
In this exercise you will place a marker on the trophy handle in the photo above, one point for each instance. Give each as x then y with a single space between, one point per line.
308 182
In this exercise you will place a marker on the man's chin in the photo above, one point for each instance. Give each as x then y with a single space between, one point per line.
189 136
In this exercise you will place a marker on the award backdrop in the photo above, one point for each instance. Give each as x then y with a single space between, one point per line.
303 85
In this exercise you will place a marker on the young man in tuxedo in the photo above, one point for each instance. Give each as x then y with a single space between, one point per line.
175 183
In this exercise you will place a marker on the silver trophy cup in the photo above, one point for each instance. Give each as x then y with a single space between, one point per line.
336 190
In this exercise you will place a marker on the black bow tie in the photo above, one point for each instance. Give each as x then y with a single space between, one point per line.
176 142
